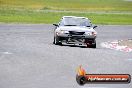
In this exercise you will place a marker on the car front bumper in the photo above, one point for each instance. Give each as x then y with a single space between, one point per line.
77 39
77 36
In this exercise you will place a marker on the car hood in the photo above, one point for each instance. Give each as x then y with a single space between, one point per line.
77 28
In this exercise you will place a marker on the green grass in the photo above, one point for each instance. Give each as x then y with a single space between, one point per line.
89 5
35 11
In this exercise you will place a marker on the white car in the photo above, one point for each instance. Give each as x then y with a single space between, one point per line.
75 30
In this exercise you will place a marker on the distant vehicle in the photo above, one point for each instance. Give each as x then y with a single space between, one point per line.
75 30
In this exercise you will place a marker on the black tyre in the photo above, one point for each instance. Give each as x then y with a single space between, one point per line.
93 46
57 41
54 41
81 80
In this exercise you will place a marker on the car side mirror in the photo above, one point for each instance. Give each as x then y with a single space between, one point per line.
55 24
95 26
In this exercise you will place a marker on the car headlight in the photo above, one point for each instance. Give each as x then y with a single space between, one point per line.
91 33
87 33
64 32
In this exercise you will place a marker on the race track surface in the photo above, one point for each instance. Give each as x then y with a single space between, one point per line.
28 59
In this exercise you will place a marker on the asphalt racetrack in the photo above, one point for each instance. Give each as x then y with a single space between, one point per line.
28 59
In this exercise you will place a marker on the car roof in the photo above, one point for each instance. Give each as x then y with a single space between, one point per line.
73 17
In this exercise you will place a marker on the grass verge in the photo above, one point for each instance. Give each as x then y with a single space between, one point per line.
50 11
29 16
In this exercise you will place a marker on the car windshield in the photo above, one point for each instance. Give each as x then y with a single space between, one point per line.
70 21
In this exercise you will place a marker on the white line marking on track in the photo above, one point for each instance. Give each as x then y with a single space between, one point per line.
4 54
129 59
7 53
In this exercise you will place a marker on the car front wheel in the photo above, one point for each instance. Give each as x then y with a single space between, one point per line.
57 41
91 44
